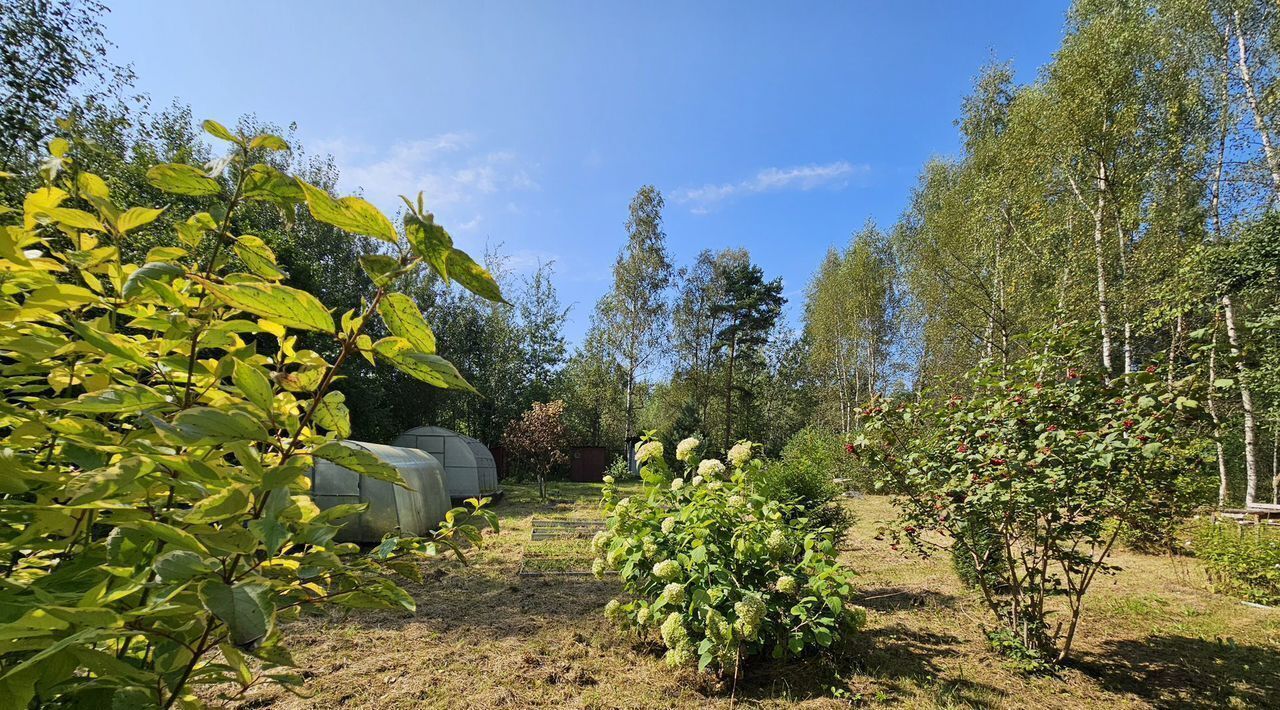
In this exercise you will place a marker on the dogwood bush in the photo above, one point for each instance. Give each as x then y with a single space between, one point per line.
159 420
1033 476
717 572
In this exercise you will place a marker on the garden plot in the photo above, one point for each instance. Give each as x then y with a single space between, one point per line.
559 546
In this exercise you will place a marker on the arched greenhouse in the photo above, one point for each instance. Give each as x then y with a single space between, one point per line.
414 510
469 467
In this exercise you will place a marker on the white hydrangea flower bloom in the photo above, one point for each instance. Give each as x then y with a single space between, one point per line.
614 612
787 584
777 543
601 541
649 451
667 570
740 454
674 592
696 480
685 449
737 501
677 484
668 524
674 634
711 468
608 480
750 612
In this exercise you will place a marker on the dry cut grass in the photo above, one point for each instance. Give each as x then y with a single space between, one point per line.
486 637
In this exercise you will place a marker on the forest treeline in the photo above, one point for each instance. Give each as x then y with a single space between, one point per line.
1130 185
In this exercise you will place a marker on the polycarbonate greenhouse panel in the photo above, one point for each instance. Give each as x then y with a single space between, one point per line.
414 509
486 467
461 471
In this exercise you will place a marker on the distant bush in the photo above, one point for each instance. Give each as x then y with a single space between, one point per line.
619 469
806 475
1243 562
539 440
718 572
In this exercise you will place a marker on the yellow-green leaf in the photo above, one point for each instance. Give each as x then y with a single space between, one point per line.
254 384
225 503
356 459
76 219
258 257
182 179
92 185
135 217
133 399
286 306
269 142
332 414
476 278
404 319
432 369
217 130
429 241
263 182
206 425
349 213
110 343
151 271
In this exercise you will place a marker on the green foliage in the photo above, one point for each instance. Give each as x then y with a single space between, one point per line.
159 420
618 469
807 473
721 573
1242 561
1048 459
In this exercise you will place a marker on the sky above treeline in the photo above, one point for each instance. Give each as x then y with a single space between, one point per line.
779 127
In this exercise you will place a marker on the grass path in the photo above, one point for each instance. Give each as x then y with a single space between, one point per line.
485 637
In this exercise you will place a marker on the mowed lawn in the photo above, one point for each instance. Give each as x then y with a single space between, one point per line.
485 636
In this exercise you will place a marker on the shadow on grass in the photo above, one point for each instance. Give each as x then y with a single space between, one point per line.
889 600
1184 672
893 656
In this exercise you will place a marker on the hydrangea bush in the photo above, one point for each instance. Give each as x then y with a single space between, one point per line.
717 572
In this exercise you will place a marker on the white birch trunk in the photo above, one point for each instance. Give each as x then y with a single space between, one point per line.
1246 404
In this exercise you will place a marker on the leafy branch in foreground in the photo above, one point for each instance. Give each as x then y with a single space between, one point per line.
158 423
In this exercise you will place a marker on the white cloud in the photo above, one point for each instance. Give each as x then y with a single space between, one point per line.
801 177
456 178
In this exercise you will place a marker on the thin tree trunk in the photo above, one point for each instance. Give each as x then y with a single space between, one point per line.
631 386
728 395
1224 489
1251 98
1123 285
1275 464
1246 404
1101 264
1173 349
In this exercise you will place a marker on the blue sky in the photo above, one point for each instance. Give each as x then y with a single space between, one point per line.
779 127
